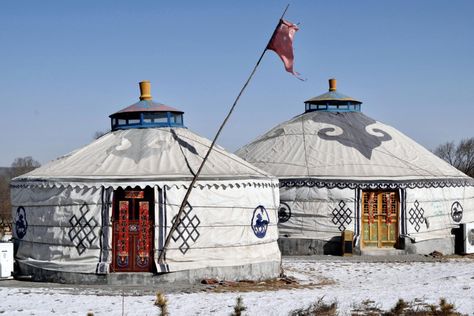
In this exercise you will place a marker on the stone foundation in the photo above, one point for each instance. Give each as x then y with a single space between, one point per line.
256 271
307 247
444 245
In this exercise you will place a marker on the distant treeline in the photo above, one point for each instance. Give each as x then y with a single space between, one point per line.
19 166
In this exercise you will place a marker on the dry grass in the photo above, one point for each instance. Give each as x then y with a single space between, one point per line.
468 256
319 308
162 303
371 308
367 307
285 283
403 308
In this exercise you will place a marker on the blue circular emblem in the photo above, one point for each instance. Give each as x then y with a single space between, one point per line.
284 213
21 224
260 221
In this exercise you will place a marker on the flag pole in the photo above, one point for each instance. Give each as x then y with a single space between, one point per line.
191 185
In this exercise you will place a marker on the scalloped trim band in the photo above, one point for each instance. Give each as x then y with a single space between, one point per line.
376 185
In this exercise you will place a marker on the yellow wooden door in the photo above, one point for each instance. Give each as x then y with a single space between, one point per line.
379 219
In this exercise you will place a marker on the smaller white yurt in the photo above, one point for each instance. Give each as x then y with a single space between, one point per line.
102 213
341 171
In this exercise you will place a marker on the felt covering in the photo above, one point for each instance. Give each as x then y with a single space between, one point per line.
63 211
325 160
345 145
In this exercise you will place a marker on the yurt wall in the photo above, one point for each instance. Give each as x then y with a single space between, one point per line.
58 228
76 229
433 212
312 211
312 219
225 229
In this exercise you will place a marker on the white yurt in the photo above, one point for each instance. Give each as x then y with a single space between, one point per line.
341 170
102 213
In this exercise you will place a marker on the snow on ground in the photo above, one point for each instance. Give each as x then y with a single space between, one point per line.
347 282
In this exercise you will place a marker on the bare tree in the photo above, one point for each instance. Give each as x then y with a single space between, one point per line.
460 156
23 165
5 197
19 166
99 134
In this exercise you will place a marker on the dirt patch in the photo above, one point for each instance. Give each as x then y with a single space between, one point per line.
468 256
285 283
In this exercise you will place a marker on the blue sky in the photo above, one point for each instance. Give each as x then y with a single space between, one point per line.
66 65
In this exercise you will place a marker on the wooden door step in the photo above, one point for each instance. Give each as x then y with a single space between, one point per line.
382 252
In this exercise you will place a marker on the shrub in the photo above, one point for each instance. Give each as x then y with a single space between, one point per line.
319 308
239 307
162 303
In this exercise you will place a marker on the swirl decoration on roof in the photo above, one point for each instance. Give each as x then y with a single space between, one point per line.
356 133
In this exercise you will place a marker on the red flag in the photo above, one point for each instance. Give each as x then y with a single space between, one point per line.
282 44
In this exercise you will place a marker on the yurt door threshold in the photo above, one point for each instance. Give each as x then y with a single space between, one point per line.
133 230
380 219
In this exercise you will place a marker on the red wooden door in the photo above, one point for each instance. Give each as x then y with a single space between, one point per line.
133 230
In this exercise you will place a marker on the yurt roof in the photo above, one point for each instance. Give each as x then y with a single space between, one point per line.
146 154
332 96
147 106
145 151
344 145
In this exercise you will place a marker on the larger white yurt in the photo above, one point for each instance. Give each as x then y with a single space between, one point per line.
102 213
340 170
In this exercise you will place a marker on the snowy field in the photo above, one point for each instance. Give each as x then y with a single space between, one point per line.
347 282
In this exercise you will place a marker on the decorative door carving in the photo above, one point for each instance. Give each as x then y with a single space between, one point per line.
380 218
133 230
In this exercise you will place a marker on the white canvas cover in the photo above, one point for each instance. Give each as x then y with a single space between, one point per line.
312 212
226 235
343 145
69 229
144 154
426 213
47 227
63 210
434 212
324 160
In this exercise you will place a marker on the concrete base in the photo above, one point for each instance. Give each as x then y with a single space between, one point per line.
382 252
256 271
444 245
308 247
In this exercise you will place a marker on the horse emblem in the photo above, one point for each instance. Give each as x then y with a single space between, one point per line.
260 221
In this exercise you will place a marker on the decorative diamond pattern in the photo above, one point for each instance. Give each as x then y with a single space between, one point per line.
416 216
187 229
82 232
342 216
